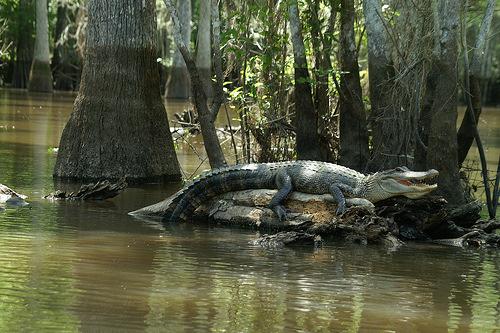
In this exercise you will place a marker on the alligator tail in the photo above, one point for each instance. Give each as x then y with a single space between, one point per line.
215 183
181 205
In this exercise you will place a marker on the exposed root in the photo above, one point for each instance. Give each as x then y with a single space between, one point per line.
101 190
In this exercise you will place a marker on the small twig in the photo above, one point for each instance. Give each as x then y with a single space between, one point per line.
479 143
233 142
360 40
192 148
394 41
496 189
197 168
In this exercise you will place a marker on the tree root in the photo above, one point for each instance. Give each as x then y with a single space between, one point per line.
101 190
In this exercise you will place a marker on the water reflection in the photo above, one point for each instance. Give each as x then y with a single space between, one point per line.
69 266
120 275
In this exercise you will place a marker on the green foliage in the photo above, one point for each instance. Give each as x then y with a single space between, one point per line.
16 18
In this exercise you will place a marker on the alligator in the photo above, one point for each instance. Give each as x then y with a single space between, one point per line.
303 176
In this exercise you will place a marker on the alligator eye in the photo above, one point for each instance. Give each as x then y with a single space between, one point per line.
402 169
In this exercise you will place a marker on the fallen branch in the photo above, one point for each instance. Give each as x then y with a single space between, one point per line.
101 190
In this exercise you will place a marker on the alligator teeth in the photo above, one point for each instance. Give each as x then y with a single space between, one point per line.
418 182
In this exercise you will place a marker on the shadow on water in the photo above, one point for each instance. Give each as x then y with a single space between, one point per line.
88 266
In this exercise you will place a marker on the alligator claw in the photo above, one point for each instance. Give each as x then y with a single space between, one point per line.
281 212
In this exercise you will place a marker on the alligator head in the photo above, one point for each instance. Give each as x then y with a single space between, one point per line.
400 181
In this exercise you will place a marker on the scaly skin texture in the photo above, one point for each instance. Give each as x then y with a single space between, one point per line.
302 176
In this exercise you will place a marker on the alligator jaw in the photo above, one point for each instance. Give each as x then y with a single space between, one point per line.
411 184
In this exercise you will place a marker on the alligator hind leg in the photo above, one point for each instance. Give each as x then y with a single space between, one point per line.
284 185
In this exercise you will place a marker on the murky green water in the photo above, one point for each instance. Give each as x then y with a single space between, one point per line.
90 267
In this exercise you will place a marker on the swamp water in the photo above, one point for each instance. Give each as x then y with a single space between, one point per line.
83 266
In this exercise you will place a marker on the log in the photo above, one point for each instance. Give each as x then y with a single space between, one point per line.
391 222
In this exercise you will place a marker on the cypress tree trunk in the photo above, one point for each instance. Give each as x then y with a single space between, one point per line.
204 49
353 132
119 126
178 84
442 147
306 122
40 73
24 45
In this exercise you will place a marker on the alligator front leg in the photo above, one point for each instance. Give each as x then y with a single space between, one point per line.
284 185
338 192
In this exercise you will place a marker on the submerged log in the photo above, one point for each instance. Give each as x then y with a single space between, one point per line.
101 190
391 222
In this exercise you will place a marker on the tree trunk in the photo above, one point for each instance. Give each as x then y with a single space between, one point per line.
40 73
322 48
24 45
442 148
178 85
207 116
424 122
204 50
119 127
353 133
383 116
465 135
306 122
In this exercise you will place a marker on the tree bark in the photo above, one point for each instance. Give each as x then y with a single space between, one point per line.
203 46
306 121
24 45
383 116
424 122
353 132
119 127
40 73
442 148
465 135
178 81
